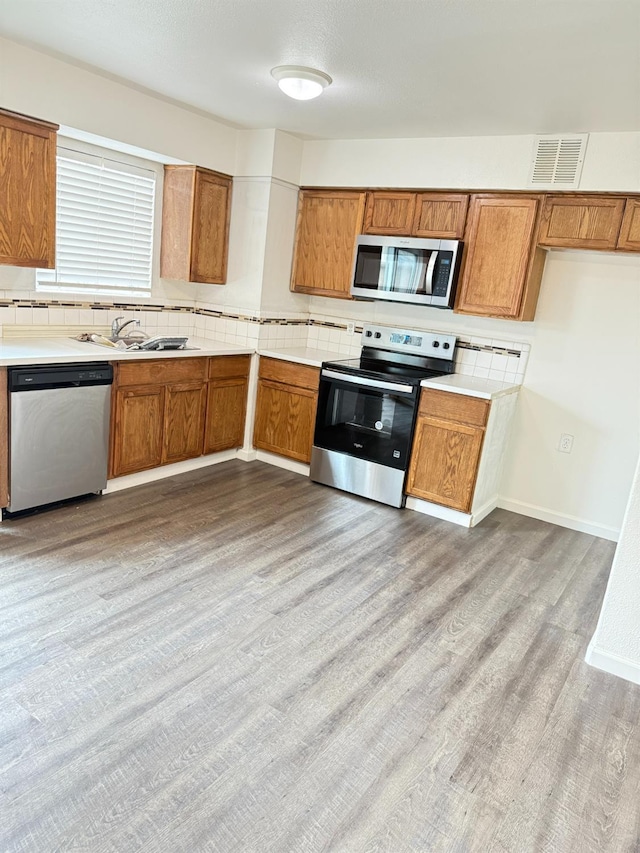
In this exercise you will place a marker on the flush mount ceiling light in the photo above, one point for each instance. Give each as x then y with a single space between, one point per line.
299 82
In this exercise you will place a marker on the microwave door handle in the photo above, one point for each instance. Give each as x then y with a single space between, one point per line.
428 284
370 383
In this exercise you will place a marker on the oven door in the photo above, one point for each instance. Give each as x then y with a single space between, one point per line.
366 418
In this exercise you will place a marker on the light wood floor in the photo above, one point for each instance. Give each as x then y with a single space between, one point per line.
240 660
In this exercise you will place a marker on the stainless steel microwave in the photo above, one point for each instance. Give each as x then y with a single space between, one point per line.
406 269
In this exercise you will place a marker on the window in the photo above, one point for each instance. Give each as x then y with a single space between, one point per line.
104 226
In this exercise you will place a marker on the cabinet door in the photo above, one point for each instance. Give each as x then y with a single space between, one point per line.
444 462
226 411
211 210
183 421
502 272
138 417
629 238
285 420
581 222
440 215
389 213
327 227
27 191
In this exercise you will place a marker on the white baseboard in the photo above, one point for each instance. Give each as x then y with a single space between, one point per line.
248 455
482 512
614 664
282 462
570 521
163 471
437 511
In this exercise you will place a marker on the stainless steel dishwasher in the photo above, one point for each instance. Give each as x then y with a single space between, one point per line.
58 432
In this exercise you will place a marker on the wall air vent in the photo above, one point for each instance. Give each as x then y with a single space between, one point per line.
557 161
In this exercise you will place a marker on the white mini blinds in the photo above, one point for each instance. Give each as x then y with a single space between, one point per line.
104 226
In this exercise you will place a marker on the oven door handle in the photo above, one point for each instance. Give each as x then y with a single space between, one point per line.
370 383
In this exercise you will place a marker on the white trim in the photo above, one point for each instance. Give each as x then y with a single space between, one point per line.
153 474
570 521
282 462
478 514
248 455
613 664
265 179
438 511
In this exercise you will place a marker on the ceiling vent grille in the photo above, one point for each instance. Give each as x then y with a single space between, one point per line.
557 161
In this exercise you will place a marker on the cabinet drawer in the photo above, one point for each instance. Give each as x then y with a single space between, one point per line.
223 366
161 370
290 373
454 407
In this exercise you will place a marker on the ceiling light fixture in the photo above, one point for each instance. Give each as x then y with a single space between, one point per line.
299 82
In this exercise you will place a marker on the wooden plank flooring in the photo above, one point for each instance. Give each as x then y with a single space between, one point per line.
237 659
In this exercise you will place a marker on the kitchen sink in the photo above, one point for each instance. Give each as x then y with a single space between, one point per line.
140 343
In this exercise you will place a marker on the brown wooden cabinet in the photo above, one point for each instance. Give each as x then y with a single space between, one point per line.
581 221
136 428
328 223
389 212
196 209
27 191
168 410
446 449
286 408
629 237
416 214
226 402
440 215
184 411
157 413
503 267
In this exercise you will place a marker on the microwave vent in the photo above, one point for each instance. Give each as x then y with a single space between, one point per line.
557 161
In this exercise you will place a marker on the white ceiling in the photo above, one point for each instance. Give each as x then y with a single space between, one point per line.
401 68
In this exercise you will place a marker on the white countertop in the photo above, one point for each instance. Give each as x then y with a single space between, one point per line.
303 355
471 386
59 350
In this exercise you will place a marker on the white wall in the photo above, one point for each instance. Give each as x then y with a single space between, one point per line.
583 378
612 162
43 86
615 646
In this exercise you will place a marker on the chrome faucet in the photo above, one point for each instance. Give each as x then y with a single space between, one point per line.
116 328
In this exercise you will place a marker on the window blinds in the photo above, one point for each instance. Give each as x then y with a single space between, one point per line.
104 226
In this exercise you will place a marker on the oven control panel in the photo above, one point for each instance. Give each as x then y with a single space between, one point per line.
416 341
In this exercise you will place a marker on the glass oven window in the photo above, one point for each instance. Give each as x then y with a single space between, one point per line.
374 425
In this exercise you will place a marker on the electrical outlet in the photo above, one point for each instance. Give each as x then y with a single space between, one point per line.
566 443
351 328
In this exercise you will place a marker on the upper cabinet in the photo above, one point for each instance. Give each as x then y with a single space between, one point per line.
389 213
581 221
416 214
629 237
503 267
328 223
195 224
28 191
440 215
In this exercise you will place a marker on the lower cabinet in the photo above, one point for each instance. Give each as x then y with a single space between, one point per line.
184 412
286 408
447 446
168 410
226 402
137 426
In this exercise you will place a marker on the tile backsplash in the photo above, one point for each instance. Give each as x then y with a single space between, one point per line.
475 356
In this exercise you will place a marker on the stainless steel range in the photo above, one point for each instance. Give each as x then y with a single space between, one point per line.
367 409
